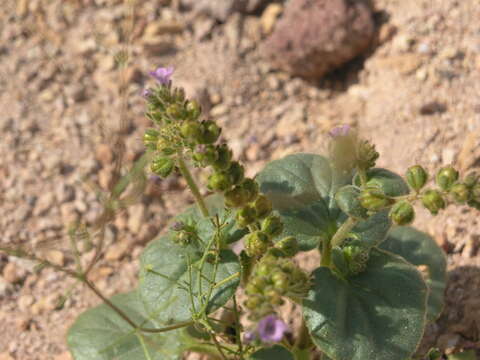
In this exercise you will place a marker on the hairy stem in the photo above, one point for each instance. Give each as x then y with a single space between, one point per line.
326 252
192 185
343 231
226 280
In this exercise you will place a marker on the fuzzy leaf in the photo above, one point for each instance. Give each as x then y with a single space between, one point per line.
419 248
302 189
376 315
101 334
164 279
276 352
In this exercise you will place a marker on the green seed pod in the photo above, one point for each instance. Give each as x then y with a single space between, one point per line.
367 155
245 216
251 186
253 302
434 354
263 206
280 281
191 130
471 179
288 246
374 199
205 155
224 157
402 213
357 258
162 166
257 243
237 197
416 177
194 109
272 226
274 297
164 147
236 172
460 192
219 181
446 177
433 201
210 132
347 199
175 111
150 139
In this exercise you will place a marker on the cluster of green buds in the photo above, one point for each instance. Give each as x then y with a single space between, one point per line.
273 279
350 259
184 233
449 189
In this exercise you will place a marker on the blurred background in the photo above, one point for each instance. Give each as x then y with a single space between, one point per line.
277 75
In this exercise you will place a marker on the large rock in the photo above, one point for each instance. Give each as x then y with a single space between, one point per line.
316 36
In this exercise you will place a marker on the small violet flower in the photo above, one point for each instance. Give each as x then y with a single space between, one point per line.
162 74
341 130
249 336
271 329
146 92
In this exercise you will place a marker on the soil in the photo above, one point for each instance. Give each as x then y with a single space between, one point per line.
69 106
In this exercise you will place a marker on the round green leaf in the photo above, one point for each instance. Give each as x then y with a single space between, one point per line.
376 315
101 334
419 248
276 352
165 278
302 189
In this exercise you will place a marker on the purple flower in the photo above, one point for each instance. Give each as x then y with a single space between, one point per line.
146 92
341 130
271 329
162 74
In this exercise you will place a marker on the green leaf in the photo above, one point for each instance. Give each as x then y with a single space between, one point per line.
101 334
376 315
302 189
276 352
419 248
164 279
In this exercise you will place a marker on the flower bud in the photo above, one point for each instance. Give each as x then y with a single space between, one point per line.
402 213
288 246
366 155
219 181
251 187
272 226
236 172
253 302
224 157
162 166
357 258
460 192
194 109
164 147
245 216
274 297
471 179
446 177
263 206
416 177
150 139
257 243
280 281
210 132
205 155
433 201
236 197
175 111
191 130
374 199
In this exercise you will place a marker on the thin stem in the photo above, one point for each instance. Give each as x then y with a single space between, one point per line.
343 231
192 185
363 176
237 327
326 252
226 280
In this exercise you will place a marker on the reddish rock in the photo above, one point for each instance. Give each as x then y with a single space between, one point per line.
316 36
